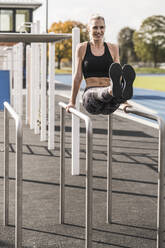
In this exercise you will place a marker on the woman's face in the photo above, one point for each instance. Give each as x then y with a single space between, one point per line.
97 29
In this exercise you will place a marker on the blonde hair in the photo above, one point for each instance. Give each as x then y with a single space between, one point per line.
96 17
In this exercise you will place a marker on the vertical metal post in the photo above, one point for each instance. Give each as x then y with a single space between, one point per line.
28 51
62 165
51 107
37 82
15 77
89 184
75 119
43 91
20 78
6 167
109 171
18 189
161 174
32 82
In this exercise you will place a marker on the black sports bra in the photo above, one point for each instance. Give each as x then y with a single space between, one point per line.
96 66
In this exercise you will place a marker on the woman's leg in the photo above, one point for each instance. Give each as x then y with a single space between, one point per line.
97 100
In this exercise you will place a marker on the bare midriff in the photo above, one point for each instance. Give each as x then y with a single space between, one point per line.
97 82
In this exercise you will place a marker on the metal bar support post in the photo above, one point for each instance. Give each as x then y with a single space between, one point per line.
75 119
161 173
51 102
43 92
109 170
18 160
89 172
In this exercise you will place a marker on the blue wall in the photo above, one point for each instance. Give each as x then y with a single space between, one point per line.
4 87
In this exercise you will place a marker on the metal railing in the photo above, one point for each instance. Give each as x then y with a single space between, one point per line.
89 170
161 171
18 171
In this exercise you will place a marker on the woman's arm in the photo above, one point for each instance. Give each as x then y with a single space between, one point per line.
116 54
114 51
77 78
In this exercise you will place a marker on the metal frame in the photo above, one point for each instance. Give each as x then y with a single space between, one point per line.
89 170
29 37
18 167
161 171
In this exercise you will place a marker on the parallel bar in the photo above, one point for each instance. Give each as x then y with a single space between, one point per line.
89 184
161 171
62 165
18 188
27 38
6 168
161 174
109 170
89 172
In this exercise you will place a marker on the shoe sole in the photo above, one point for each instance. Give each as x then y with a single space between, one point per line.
129 77
115 73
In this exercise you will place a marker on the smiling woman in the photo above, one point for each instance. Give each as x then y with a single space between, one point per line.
107 83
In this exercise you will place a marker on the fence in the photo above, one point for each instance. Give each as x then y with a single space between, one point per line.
37 108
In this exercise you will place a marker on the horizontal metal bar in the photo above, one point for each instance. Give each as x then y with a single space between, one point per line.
141 113
11 111
24 37
76 112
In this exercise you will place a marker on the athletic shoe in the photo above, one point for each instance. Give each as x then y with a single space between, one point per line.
128 78
115 73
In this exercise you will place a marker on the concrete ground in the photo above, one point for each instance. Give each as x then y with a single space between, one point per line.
135 158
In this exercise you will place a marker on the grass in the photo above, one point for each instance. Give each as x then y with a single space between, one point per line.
150 70
67 70
152 83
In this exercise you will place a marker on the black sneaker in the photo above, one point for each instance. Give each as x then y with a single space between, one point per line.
115 73
128 78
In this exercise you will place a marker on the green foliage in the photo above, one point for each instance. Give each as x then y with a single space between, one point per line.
149 41
126 46
64 48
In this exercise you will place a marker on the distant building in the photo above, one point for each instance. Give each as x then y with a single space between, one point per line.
14 13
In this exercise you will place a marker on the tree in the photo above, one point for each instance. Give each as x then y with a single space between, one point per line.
149 41
64 48
126 46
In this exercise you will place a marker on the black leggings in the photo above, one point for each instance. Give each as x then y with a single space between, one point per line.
97 100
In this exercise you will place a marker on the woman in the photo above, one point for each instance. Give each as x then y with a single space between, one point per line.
107 84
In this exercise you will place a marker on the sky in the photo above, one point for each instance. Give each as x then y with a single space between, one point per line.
117 13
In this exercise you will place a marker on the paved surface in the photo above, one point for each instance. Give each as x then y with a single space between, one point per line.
134 188
151 98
